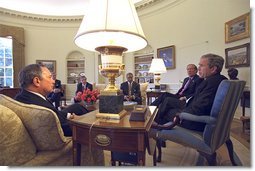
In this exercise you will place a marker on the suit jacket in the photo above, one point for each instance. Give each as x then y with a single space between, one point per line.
79 87
30 98
58 84
190 90
202 101
135 90
55 97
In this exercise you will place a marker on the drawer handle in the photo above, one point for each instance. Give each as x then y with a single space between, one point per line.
102 140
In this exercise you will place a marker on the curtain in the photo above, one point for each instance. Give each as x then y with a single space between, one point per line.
17 34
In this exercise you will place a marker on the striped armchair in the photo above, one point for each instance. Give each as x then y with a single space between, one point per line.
217 129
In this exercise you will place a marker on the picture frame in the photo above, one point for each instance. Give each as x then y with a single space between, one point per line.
238 56
50 64
168 55
238 28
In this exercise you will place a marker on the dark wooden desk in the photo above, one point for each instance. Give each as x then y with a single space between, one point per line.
153 94
119 135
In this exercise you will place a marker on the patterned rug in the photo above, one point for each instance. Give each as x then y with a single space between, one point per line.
178 155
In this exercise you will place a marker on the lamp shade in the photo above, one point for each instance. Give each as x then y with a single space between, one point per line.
111 23
157 66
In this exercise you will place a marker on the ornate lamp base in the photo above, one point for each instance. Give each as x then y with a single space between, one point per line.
114 116
111 106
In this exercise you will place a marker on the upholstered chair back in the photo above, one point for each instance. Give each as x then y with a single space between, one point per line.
223 110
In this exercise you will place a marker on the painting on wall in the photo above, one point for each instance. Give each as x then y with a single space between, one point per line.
238 28
50 64
238 56
168 56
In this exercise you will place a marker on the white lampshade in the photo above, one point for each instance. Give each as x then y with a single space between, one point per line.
111 23
157 66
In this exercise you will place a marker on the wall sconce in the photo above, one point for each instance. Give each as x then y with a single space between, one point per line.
157 67
111 27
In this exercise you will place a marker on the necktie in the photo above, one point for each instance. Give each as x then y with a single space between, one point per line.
185 86
129 88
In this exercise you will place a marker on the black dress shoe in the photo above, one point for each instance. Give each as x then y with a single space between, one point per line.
168 125
163 144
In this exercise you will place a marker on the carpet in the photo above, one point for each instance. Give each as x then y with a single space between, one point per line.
178 155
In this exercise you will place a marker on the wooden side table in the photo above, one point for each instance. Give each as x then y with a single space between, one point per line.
245 119
153 94
113 135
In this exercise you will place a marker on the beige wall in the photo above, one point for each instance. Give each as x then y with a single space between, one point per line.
195 27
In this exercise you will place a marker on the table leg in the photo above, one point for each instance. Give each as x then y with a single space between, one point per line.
76 154
141 158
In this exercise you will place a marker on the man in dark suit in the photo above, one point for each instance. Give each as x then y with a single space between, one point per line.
82 85
187 89
131 89
36 83
57 93
209 69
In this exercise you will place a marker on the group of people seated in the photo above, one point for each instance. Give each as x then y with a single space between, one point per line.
196 95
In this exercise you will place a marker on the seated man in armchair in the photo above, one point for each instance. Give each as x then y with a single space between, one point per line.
210 67
131 90
187 89
81 86
57 93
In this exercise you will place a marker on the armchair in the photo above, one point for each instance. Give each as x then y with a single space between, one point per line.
217 129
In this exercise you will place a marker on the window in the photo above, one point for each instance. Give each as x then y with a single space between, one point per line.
6 62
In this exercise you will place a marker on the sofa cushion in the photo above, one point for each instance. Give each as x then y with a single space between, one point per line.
143 88
16 146
41 123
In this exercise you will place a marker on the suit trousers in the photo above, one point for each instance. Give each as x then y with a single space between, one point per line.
74 108
162 97
168 109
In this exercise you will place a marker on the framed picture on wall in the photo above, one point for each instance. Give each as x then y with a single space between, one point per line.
168 56
238 56
50 64
238 28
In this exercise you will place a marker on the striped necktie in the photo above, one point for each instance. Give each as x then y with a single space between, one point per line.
185 86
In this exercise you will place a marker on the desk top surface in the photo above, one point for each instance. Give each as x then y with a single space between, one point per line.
90 119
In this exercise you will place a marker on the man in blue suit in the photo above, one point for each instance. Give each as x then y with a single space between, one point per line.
187 89
83 85
36 83
57 93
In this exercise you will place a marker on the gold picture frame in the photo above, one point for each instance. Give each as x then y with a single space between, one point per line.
238 56
168 55
50 64
238 28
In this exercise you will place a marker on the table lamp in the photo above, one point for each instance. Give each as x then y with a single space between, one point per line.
157 67
111 27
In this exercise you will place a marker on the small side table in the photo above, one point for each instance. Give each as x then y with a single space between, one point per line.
245 119
153 94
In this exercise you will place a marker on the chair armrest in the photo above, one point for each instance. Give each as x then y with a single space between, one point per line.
202 118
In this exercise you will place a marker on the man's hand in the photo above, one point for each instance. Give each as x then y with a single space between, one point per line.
56 90
74 116
183 98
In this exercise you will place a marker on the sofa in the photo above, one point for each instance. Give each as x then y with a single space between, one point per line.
143 88
31 135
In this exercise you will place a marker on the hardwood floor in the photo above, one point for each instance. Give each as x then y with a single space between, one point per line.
237 132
